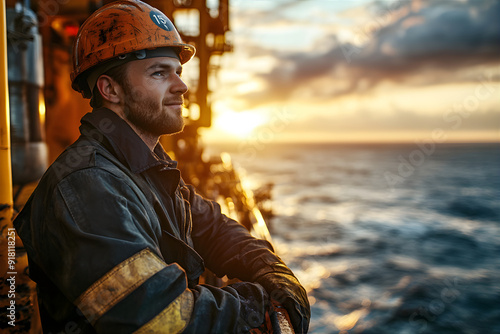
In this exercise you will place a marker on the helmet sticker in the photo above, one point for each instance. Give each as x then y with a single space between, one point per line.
161 20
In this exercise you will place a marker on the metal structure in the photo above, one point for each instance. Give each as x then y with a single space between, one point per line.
17 291
204 27
27 108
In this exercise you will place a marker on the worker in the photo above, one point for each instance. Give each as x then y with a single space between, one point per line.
116 240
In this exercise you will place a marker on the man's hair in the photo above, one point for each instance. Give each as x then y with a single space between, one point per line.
118 74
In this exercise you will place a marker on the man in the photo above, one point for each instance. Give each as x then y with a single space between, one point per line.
116 241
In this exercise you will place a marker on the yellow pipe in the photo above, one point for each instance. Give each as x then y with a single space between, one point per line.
5 167
6 200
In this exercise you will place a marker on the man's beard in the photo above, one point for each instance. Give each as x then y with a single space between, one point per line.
149 116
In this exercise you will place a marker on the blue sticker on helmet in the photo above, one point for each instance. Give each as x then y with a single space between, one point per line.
161 20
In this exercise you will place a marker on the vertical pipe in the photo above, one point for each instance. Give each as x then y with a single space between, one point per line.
203 53
5 166
6 200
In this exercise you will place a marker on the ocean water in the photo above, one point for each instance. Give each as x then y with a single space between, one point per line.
386 238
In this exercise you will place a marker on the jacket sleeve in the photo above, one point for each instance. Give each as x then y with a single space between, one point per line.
226 246
95 243
229 249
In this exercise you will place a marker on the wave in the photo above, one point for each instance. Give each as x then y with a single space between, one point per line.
451 247
472 208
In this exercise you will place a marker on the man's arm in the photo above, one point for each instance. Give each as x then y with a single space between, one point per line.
229 249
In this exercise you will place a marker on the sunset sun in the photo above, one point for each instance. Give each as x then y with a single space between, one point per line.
238 124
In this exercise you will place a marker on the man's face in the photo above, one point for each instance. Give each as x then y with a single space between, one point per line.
153 95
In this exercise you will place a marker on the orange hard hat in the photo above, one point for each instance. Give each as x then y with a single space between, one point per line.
120 28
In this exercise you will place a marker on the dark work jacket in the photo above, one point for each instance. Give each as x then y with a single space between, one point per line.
116 243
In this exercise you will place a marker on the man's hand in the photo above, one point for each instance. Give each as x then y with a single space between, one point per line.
282 318
283 287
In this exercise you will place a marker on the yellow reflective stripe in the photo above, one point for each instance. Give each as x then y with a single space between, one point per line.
172 319
118 283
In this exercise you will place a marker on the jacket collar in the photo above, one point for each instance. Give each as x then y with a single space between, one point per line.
128 146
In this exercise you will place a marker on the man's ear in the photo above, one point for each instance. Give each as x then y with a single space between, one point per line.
109 89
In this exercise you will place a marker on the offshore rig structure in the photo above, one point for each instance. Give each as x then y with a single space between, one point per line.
40 114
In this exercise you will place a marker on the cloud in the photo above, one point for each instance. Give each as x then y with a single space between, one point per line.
439 37
444 34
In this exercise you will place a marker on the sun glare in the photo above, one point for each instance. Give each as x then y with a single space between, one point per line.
238 124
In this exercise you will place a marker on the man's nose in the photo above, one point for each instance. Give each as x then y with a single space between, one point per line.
178 86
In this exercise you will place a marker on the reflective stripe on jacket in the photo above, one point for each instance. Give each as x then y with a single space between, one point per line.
116 243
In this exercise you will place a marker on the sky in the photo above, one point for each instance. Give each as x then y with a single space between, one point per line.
359 71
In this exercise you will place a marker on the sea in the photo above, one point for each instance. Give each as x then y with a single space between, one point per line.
386 238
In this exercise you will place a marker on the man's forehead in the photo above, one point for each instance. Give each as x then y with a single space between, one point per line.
157 62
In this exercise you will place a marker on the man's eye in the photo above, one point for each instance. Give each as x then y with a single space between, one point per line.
158 74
